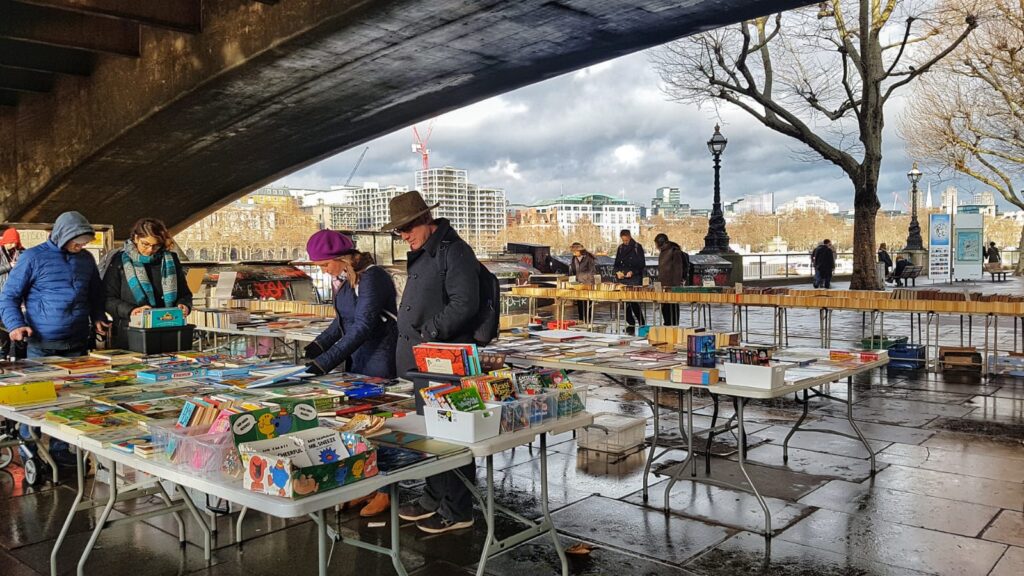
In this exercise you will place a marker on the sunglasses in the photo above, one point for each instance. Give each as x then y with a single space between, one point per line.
404 229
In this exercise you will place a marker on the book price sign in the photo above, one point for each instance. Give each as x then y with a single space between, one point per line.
939 231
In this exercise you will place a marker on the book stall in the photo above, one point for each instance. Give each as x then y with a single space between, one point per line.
685 359
262 434
936 306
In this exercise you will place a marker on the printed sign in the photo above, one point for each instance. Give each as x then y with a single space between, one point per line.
968 247
940 230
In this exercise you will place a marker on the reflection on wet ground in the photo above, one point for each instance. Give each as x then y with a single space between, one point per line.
948 497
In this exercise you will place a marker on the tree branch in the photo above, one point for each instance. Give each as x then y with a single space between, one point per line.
972 23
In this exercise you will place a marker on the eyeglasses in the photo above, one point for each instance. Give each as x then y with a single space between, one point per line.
405 229
144 244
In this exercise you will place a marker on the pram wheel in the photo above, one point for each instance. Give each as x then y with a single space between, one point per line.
35 471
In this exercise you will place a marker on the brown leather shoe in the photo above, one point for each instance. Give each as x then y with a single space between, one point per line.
357 502
381 503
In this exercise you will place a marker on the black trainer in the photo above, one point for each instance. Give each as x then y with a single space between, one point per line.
413 512
438 524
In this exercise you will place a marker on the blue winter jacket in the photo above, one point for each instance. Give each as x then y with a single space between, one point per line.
62 292
364 328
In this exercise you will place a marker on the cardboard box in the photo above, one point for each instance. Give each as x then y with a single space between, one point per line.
269 473
691 375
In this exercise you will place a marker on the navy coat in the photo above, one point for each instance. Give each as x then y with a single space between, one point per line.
441 297
364 327
630 258
62 293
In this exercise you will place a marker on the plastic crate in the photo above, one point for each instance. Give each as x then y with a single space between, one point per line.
213 456
612 433
463 426
529 411
172 443
877 342
160 340
571 402
906 356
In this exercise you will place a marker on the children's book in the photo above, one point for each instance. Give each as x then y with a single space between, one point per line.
273 422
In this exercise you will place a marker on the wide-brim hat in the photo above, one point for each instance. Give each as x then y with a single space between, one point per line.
405 208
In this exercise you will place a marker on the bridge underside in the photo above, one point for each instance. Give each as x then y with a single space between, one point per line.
218 103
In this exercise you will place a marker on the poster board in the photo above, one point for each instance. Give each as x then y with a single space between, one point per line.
968 247
940 232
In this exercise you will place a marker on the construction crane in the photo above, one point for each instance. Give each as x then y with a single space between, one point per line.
419 144
356 167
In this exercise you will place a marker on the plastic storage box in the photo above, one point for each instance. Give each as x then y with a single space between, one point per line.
195 450
571 401
463 426
906 356
529 411
612 433
754 376
877 342
160 340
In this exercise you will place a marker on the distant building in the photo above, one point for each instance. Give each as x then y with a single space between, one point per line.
980 203
667 204
809 203
268 195
476 212
948 200
751 204
336 216
609 214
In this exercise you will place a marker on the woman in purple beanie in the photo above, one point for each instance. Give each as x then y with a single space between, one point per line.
364 330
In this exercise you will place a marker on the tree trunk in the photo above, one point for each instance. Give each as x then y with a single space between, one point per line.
1019 269
864 270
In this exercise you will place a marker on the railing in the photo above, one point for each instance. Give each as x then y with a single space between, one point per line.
798 264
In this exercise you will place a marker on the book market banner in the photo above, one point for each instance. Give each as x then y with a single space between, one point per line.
940 229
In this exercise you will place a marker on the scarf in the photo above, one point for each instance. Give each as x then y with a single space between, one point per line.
133 263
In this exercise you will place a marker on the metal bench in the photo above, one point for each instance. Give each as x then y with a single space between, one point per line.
910 273
998 273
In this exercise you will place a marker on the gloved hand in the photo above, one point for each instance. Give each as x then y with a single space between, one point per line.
311 351
314 369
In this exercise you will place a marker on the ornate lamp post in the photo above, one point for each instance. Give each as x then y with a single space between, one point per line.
914 241
717 239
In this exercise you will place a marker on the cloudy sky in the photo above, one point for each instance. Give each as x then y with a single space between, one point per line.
609 129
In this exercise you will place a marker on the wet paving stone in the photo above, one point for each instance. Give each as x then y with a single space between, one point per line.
522 494
871 430
13 485
725 506
1007 528
1011 564
870 538
120 550
538 557
996 493
924 382
771 482
825 443
1014 392
890 505
255 525
816 463
978 445
638 530
912 395
747 553
992 409
11 566
978 426
891 416
39 516
587 476
442 568
947 461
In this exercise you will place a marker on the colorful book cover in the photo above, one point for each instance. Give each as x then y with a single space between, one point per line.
268 423
466 399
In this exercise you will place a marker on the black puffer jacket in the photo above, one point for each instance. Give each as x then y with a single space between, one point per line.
441 296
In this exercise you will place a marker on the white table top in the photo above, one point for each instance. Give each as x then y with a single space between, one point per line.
275 505
415 424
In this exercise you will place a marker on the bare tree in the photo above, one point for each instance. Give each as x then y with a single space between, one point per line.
821 76
968 114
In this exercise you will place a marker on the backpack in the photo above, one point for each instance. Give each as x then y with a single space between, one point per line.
488 316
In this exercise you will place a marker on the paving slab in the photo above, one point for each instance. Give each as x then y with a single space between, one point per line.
1015 392
521 494
910 394
585 475
941 514
825 443
978 445
747 553
771 481
817 463
38 516
891 416
1007 528
996 493
638 530
978 425
717 505
11 566
871 538
871 430
993 409
538 557
950 461
1011 564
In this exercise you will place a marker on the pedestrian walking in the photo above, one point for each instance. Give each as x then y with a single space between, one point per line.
629 268
673 265
824 261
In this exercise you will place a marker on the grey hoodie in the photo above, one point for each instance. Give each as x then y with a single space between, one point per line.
68 226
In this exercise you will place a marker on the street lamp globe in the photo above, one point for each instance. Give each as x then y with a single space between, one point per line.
914 175
716 145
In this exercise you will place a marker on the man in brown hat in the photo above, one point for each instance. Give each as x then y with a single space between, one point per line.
439 304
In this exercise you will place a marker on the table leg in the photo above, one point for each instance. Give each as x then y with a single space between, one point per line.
321 543
785 443
489 513
654 441
853 424
177 515
743 468
80 478
207 538
711 435
396 541
689 431
101 522
544 504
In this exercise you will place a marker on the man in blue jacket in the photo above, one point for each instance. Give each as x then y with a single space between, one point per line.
59 286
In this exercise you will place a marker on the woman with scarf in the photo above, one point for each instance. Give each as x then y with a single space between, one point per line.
145 274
